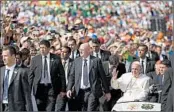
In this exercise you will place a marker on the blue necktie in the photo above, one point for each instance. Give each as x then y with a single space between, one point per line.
5 85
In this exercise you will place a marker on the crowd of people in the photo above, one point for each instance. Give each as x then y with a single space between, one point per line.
84 55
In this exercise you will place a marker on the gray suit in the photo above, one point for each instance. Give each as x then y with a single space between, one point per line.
171 58
157 83
46 96
56 71
19 94
96 72
97 80
167 99
167 103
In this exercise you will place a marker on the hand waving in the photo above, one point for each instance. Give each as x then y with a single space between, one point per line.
114 73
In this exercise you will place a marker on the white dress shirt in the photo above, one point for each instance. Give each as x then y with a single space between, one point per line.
133 88
43 81
82 86
95 54
10 76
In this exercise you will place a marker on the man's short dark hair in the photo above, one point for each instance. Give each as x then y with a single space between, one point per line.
66 47
11 49
166 62
143 45
114 59
96 41
74 40
33 47
45 42
25 51
158 47
153 45
19 53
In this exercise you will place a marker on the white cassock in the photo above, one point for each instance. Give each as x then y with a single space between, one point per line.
133 88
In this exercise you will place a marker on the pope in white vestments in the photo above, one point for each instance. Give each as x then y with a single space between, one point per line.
134 84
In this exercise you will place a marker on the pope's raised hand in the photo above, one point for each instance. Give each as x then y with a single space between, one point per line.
114 73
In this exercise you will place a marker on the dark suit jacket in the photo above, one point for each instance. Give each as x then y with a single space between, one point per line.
167 99
69 66
1 61
154 56
77 54
171 58
154 77
56 71
19 94
121 68
153 97
23 66
116 94
97 76
105 55
150 65
26 68
164 57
